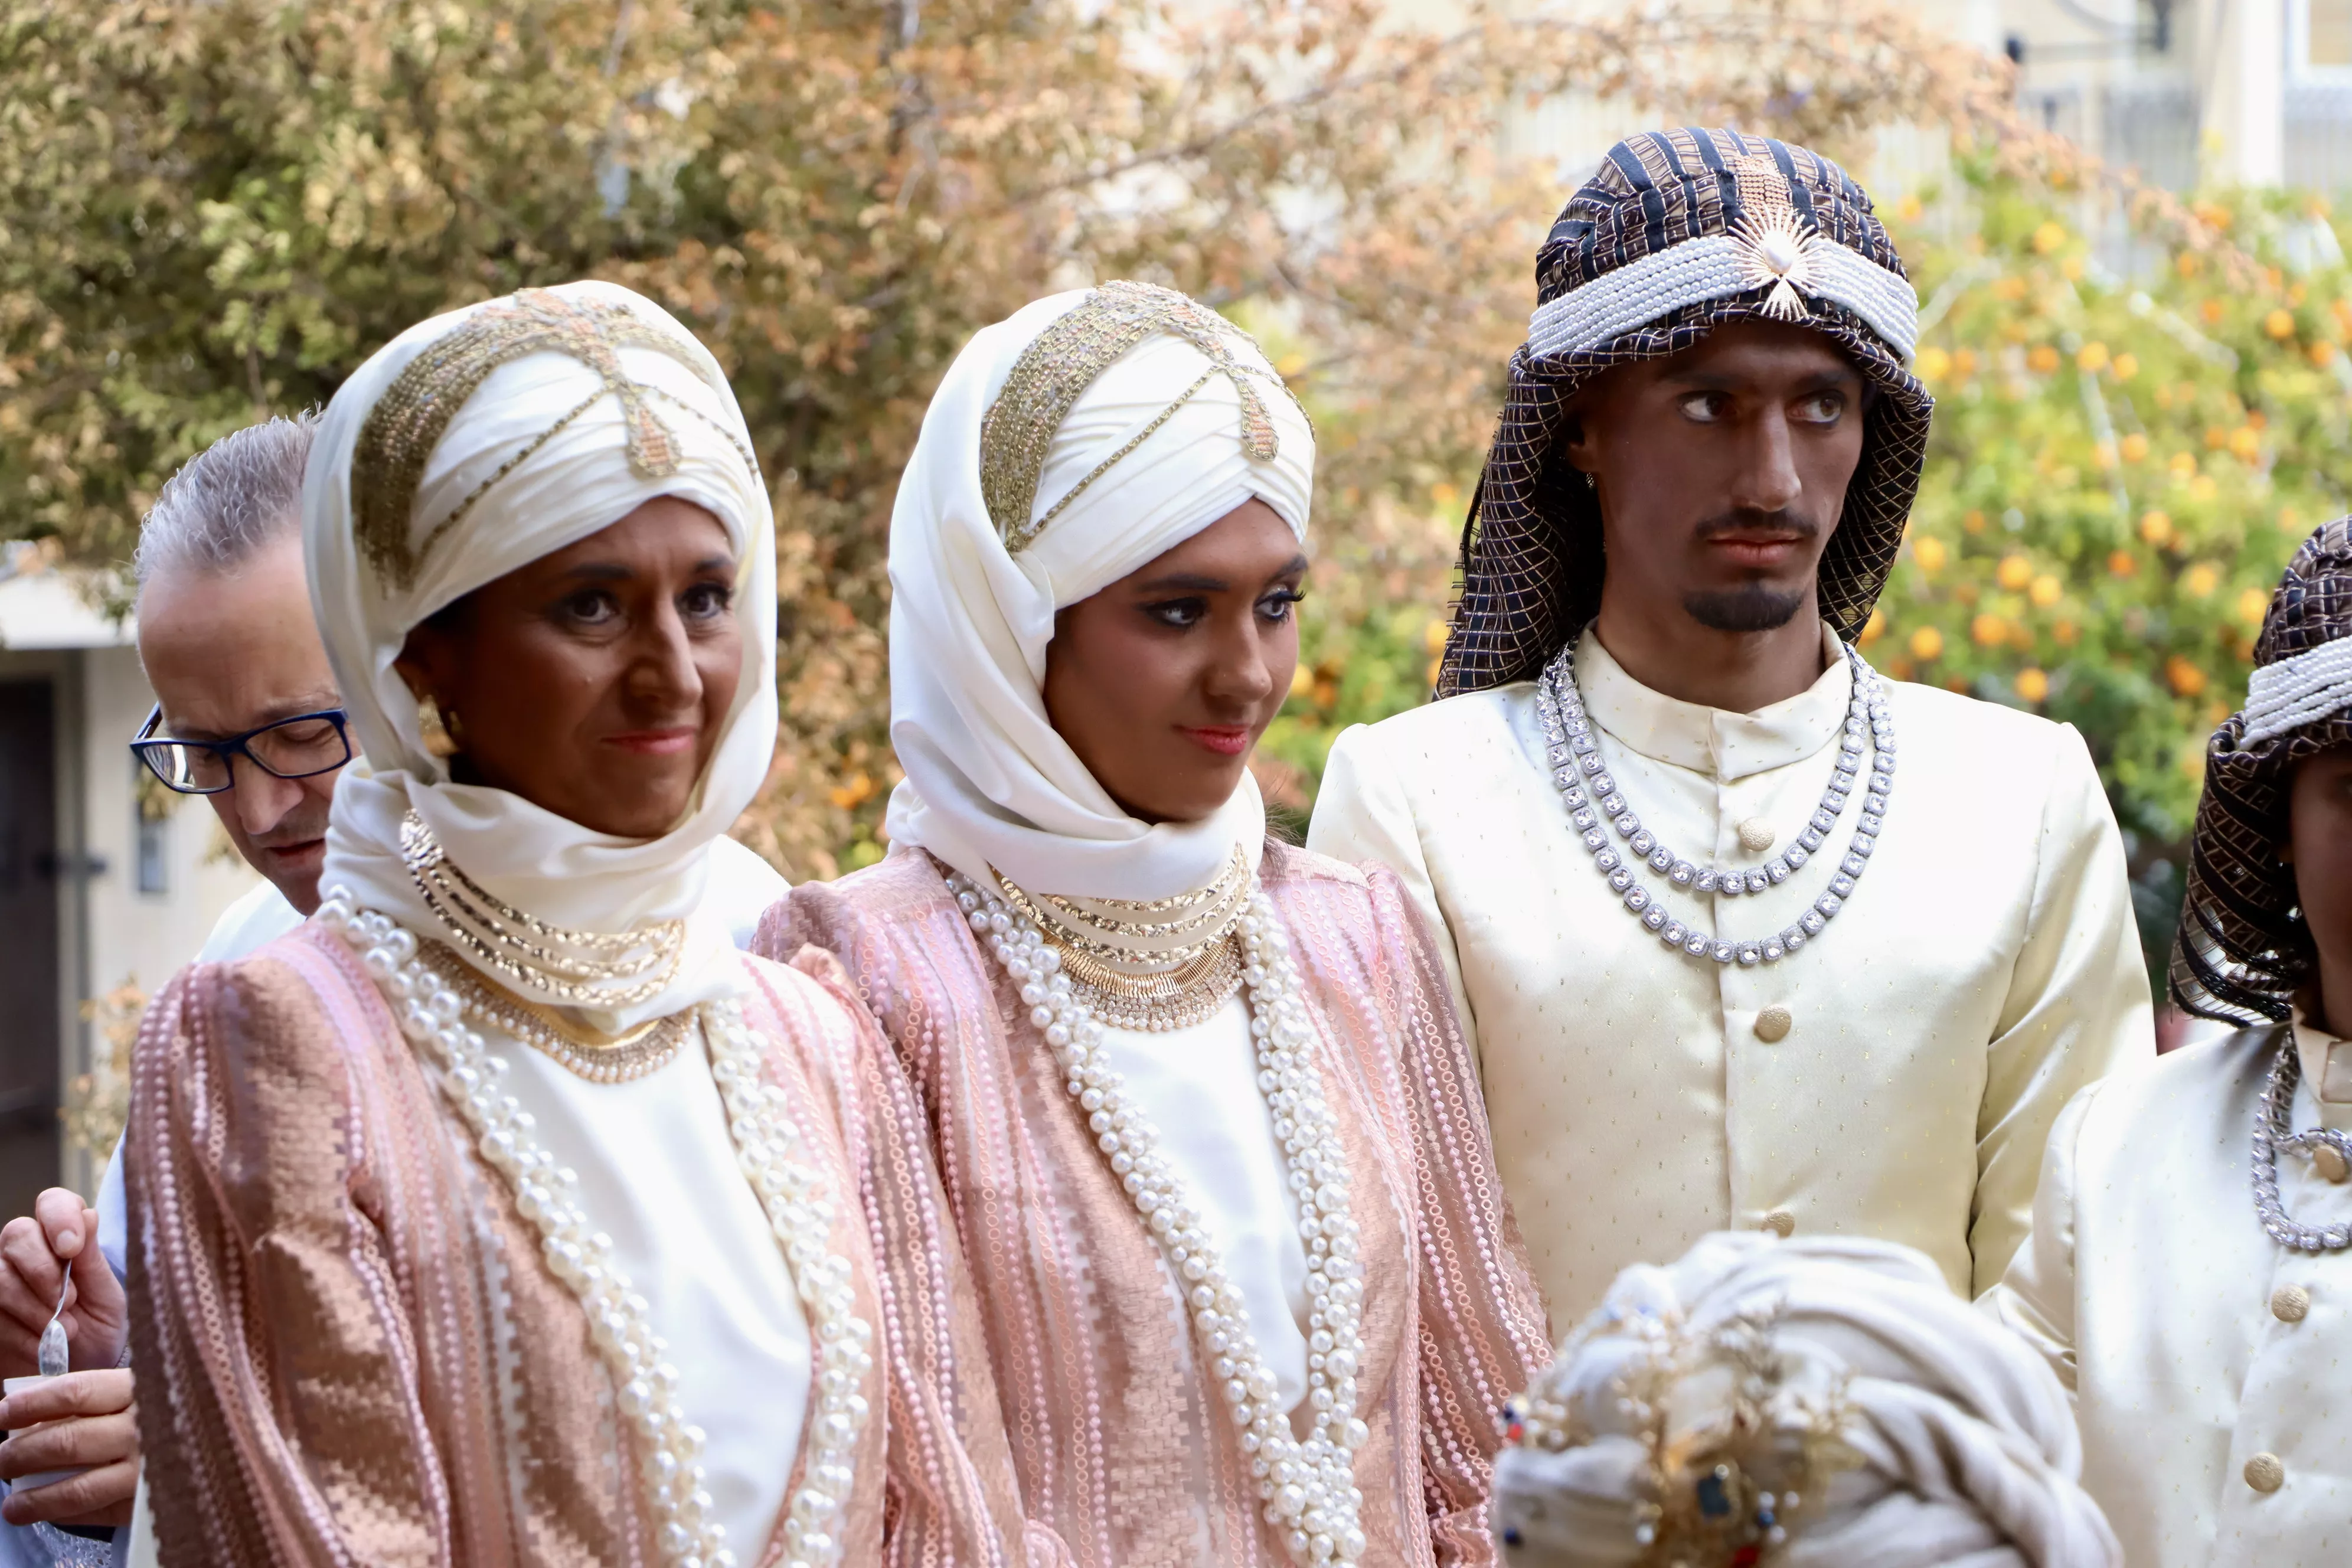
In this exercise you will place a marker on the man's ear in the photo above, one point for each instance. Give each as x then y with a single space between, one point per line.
1575 438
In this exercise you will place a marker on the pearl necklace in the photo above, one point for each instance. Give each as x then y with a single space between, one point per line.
2274 1130
1309 1488
434 1015
1591 793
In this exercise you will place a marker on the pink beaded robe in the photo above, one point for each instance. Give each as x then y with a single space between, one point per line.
350 1349
1125 1454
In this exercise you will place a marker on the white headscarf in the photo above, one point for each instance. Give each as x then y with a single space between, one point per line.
989 783
1968 1446
575 483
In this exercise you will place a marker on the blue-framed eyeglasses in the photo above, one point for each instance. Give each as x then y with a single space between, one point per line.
295 748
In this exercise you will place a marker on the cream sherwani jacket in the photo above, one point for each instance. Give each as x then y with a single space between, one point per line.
2211 1367
1986 968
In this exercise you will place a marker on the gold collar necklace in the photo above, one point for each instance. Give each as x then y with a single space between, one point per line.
580 969
585 1052
1150 966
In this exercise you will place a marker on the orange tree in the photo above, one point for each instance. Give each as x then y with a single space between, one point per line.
2122 458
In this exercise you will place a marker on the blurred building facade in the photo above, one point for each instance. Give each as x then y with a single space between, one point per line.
102 880
2243 91
2236 91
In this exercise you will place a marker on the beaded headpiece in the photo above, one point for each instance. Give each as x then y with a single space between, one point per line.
1721 1495
401 430
1055 370
2243 949
1678 233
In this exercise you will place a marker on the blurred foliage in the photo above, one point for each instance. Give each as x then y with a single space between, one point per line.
2124 453
98 1102
210 209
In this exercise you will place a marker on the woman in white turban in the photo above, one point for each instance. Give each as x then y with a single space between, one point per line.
1806 1404
503 1214
1214 1147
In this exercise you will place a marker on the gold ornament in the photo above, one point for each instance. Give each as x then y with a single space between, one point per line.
1055 370
1777 241
1720 1494
439 732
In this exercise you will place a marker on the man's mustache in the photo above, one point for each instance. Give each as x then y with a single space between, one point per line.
1753 520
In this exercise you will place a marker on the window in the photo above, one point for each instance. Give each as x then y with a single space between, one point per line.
2323 35
151 831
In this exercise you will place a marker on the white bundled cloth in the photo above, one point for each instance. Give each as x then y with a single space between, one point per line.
576 483
989 783
1967 1449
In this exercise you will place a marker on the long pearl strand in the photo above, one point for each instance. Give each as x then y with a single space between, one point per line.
1308 1486
768 1142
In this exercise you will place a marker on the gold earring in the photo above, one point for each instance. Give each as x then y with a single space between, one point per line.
441 734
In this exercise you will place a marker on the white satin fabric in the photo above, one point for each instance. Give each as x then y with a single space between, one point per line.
989 783
1967 1452
2195 1344
657 1172
1215 1129
575 485
1985 969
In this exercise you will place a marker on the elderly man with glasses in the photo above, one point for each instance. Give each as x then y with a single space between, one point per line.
248 718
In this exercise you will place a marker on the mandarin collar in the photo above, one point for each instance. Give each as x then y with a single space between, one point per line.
1728 746
2326 1060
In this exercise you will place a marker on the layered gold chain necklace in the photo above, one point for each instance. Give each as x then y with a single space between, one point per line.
582 969
583 1052
1154 965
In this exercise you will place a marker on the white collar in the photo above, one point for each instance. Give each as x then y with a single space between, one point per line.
2327 1063
1727 746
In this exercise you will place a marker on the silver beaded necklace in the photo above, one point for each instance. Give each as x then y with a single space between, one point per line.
1591 795
2274 1130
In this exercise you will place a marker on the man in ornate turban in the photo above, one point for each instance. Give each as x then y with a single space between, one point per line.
2200 1323
1642 817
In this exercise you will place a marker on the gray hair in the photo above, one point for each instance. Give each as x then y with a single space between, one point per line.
240 494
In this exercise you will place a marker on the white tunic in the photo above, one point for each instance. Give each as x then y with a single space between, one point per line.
1199 1086
658 1175
1986 967
2153 1290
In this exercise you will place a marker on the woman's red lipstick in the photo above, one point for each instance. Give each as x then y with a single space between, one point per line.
1226 740
654 742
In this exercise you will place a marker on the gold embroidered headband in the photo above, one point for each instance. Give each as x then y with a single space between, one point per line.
1055 370
409 419
1771 246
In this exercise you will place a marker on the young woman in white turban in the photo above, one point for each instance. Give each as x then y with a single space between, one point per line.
1823 1402
1213 1145
503 1213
